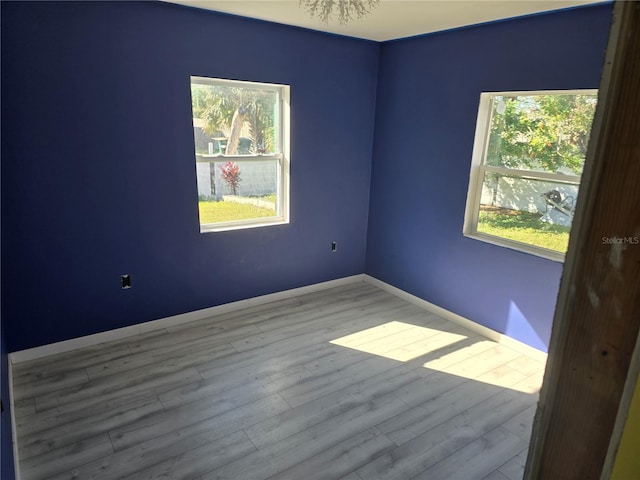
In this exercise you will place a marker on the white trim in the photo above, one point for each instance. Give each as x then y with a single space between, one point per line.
232 82
241 224
102 337
497 337
220 157
517 246
284 179
531 174
530 93
479 150
14 435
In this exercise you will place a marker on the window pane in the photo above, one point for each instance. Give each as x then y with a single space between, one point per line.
547 133
532 211
234 120
238 190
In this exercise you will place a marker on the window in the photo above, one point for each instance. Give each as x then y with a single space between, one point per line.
528 157
241 136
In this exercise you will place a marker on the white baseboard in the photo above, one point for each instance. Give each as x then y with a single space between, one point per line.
14 433
464 322
102 337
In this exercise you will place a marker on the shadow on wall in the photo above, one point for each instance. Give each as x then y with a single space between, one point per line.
495 297
518 326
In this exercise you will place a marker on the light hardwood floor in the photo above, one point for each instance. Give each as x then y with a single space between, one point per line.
348 383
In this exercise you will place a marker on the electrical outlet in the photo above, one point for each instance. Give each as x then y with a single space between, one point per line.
125 281
334 246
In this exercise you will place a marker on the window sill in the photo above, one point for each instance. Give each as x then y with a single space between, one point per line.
518 246
228 226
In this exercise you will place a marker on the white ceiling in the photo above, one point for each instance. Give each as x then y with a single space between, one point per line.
391 19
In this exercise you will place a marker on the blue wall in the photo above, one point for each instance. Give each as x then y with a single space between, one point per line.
98 172
428 94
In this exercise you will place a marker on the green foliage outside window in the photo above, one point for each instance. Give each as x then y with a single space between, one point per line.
226 109
544 132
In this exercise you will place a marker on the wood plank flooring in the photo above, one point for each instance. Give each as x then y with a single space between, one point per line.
350 383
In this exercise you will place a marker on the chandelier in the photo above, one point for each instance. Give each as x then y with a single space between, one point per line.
344 10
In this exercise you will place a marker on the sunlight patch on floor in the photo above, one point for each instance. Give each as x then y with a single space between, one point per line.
398 340
483 361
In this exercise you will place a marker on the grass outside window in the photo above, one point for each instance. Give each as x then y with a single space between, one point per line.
225 211
523 227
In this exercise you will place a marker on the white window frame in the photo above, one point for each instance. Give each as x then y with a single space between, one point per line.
281 157
479 168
